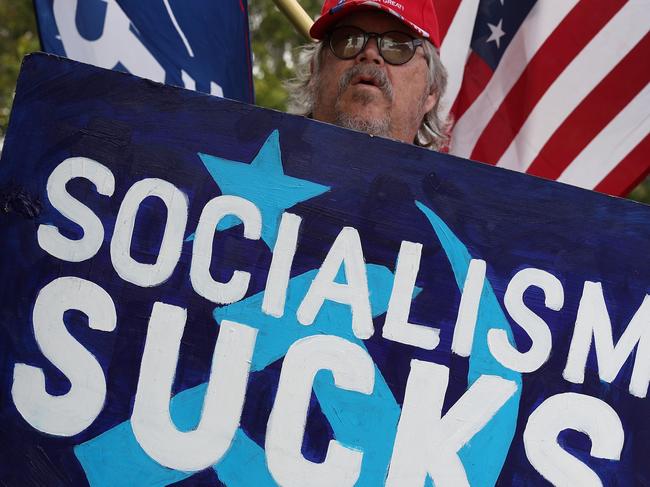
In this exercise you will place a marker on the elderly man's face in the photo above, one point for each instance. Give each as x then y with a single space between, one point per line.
366 93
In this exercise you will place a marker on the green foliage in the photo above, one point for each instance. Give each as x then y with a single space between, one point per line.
18 37
273 40
642 191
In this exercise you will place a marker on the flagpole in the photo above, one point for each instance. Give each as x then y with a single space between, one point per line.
297 15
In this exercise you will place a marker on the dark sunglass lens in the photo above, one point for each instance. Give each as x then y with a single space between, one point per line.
347 42
397 47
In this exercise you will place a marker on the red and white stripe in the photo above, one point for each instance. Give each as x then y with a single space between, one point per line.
570 99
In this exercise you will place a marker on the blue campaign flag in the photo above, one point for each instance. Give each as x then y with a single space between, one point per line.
196 291
201 45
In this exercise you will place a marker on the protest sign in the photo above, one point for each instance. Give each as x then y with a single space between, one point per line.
198 291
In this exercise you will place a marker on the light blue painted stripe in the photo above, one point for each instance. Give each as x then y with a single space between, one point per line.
115 457
364 422
244 464
484 456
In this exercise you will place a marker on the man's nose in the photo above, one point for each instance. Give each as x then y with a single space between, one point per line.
370 53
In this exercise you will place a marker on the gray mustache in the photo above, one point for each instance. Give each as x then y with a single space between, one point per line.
370 70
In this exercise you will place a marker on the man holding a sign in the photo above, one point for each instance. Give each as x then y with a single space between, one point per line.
376 70
208 293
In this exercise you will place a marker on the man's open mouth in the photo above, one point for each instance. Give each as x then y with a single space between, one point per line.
366 80
370 76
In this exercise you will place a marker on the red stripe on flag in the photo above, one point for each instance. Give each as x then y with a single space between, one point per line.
576 30
593 114
445 10
629 172
476 76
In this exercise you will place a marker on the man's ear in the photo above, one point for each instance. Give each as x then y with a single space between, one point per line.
430 101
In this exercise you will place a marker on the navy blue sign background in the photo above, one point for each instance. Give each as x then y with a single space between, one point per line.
202 45
389 192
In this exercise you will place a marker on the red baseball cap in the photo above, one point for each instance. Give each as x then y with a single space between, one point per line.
419 15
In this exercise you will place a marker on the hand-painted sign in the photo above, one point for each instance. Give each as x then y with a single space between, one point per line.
201 292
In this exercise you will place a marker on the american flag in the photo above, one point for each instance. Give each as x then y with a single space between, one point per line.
555 88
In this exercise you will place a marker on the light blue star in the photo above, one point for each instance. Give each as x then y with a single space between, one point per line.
262 182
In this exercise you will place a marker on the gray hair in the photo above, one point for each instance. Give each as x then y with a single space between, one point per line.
433 132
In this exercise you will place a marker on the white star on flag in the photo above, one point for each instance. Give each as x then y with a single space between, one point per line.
496 33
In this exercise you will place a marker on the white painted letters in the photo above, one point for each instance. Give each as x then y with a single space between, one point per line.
532 324
49 237
427 443
149 275
284 251
593 319
213 213
581 413
224 398
397 326
470 301
345 251
353 370
72 412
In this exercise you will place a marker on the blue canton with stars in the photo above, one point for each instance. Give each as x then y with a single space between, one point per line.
497 21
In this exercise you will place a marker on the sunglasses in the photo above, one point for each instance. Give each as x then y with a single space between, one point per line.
395 47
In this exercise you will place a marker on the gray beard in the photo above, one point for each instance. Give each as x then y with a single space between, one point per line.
380 127
377 126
